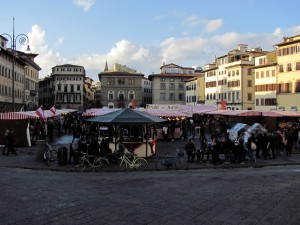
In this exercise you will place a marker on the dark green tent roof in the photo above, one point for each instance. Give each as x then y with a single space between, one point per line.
126 116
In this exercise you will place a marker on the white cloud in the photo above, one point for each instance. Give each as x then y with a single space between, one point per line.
188 51
85 4
213 25
46 59
192 20
59 41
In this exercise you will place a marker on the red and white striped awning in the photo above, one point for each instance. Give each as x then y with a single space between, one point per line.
31 114
275 113
15 116
99 111
165 113
234 112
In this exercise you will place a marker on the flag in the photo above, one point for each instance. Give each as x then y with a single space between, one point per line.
223 104
53 110
132 104
40 113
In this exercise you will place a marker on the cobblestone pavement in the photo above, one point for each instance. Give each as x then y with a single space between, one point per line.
268 195
265 193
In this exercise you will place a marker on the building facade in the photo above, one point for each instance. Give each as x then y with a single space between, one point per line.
18 79
31 81
46 92
288 77
230 78
121 86
147 92
97 94
168 87
266 82
68 86
191 91
89 94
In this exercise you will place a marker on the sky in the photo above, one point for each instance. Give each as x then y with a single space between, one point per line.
144 34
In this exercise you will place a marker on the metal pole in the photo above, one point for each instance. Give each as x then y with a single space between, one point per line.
23 39
13 66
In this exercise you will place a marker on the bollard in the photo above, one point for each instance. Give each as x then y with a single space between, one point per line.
40 148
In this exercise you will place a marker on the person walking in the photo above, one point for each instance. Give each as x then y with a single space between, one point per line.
190 149
5 141
11 142
165 131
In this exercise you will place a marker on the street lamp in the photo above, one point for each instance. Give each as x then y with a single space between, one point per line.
23 40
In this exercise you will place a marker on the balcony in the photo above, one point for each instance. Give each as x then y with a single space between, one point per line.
33 93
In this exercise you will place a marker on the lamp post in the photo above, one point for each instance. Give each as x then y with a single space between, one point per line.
23 40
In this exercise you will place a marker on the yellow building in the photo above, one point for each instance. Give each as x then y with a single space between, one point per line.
266 82
288 59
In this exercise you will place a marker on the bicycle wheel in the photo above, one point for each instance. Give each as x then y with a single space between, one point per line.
181 164
53 155
100 164
81 166
140 164
119 165
161 164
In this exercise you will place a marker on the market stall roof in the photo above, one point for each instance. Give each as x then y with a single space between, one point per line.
99 111
234 112
32 114
164 112
275 113
197 109
126 116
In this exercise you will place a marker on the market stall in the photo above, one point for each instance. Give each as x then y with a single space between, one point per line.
132 128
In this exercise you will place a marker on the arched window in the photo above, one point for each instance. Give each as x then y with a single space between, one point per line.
131 95
110 105
110 95
121 95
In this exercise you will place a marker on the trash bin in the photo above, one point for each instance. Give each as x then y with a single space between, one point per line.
62 156
40 148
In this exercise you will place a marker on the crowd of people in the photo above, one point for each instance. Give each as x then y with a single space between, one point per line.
247 147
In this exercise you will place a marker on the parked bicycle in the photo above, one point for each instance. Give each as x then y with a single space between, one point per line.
50 154
90 162
167 161
123 163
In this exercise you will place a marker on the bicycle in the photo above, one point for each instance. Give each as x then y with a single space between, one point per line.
97 165
136 163
167 161
50 154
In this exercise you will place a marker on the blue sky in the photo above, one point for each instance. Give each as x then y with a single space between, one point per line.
143 34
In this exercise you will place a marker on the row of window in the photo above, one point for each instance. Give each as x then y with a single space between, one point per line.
288 51
232 95
264 74
68 87
33 74
171 97
6 72
120 95
7 91
265 101
172 86
68 98
68 69
163 79
121 81
289 67
280 88
69 78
